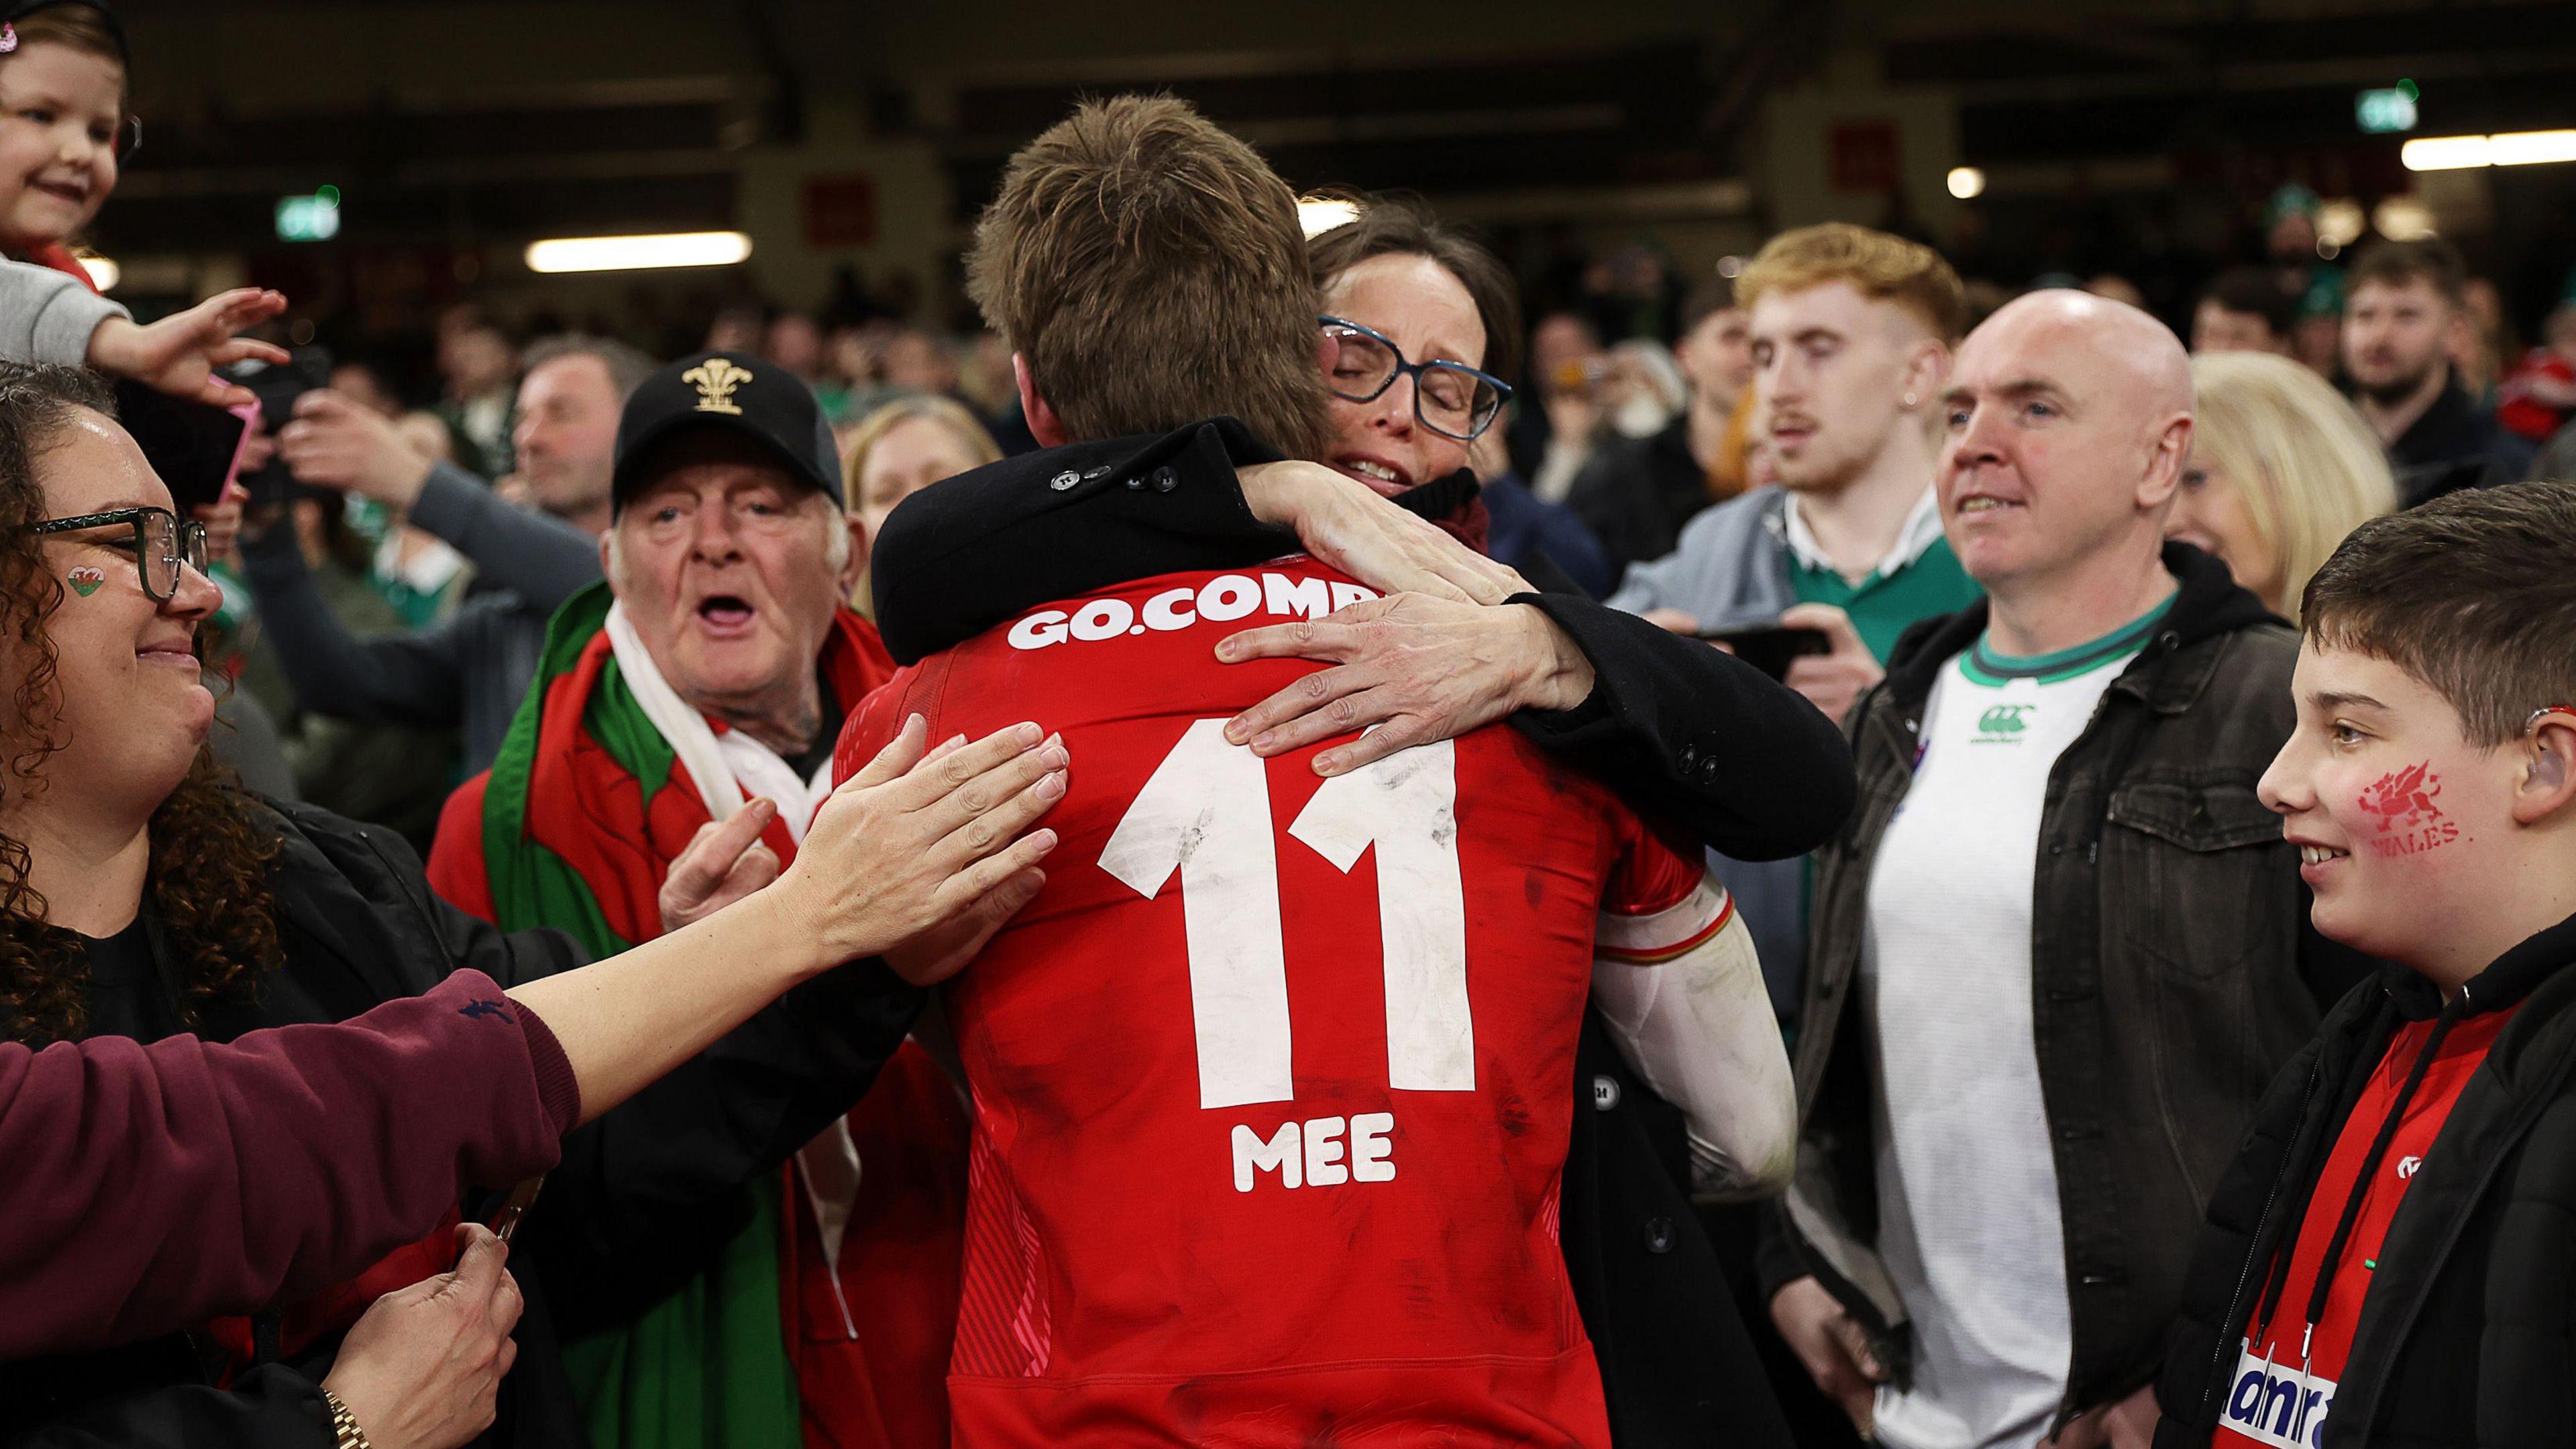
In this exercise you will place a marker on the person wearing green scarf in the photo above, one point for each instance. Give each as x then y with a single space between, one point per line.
697 693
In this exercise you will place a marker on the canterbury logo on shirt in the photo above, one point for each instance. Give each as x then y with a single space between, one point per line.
2003 724
2276 1404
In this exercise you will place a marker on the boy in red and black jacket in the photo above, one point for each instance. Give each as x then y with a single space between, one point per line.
2391 1260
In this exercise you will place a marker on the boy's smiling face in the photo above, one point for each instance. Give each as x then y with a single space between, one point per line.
2406 828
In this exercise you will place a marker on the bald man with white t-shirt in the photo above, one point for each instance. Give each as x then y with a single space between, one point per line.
2060 950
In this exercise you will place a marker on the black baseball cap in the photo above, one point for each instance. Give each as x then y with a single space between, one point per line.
736 392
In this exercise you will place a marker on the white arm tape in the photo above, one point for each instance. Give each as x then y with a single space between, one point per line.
1682 993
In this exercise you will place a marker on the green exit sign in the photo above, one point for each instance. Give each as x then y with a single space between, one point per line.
309 218
2383 112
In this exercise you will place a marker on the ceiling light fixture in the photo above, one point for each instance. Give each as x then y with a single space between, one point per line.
636 253
2505 148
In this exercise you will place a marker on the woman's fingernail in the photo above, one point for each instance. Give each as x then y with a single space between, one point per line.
1027 733
1235 731
1050 787
1045 840
1055 758
1225 649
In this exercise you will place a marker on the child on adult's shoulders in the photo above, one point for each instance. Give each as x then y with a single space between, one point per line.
2393 1245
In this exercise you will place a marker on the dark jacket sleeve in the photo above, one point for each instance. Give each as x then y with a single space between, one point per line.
650 1189
414 677
151 1187
961 556
267 1408
537 556
1700 739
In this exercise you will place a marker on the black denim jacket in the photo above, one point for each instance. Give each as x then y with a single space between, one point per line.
2166 946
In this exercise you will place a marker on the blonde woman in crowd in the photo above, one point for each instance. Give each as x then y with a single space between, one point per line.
904 447
2281 469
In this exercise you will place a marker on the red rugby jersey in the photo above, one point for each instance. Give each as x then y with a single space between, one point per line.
1272 1083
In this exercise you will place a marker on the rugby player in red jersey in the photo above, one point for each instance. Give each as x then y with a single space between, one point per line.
1272 1082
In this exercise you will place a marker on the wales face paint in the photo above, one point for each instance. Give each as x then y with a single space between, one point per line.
85 580
2401 801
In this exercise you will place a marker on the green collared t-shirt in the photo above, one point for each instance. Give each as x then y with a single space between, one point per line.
1883 605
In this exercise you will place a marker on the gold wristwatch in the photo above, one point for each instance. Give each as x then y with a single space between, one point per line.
345 1432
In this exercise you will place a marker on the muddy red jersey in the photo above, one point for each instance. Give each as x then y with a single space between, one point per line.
1272 1083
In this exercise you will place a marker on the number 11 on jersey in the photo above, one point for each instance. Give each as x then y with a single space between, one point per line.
1205 814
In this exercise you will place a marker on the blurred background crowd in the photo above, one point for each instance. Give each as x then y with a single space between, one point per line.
799 182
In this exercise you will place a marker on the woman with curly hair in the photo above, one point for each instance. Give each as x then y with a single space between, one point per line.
143 895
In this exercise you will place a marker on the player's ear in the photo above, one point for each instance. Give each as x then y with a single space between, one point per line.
1041 418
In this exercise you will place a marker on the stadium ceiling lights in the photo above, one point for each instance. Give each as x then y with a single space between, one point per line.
2505 148
637 253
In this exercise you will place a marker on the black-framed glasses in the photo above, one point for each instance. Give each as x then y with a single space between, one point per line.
1451 398
161 544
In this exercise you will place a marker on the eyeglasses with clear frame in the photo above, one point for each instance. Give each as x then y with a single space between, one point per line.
1450 398
162 542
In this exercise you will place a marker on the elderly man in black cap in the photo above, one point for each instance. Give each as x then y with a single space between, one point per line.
676 741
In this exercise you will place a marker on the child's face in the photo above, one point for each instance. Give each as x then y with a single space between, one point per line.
2400 820
59 113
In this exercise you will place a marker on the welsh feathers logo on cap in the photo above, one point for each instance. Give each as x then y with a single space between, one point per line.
715 379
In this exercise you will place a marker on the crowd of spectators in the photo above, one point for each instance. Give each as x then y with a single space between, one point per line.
2043 597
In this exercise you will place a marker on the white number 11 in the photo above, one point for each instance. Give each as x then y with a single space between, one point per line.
1205 813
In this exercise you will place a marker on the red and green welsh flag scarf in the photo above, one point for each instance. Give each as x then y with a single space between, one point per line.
579 818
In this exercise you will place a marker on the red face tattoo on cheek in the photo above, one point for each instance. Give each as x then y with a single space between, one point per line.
2409 822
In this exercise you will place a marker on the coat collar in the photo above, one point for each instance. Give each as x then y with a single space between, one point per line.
2501 987
2207 603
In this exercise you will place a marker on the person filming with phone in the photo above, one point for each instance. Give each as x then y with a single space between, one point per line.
1813 580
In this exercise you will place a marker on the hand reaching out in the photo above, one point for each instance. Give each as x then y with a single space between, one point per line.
179 354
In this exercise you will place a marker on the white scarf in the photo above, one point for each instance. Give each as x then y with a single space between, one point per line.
723 765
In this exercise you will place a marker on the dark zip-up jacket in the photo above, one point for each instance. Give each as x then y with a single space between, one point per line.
639 1199
2468 1334
2166 950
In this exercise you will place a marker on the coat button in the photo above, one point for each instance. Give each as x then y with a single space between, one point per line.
1165 480
1659 1235
1064 480
1089 474
1708 770
1688 758
1605 1094
1136 482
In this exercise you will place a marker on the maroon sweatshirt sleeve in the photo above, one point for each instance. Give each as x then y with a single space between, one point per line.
145 1188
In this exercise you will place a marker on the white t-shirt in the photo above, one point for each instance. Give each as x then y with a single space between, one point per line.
1968 1205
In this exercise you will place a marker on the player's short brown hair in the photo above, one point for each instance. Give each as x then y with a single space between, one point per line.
2474 593
2396 263
1150 269
1879 266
